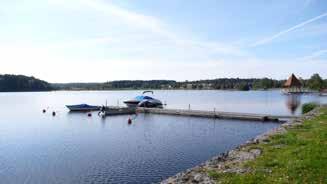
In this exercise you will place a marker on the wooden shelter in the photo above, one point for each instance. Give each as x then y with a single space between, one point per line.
293 85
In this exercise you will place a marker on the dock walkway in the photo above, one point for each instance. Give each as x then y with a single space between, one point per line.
215 114
200 113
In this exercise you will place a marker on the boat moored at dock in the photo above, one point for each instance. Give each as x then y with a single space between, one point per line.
83 107
144 101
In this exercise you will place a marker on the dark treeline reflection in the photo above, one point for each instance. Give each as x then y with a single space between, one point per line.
293 102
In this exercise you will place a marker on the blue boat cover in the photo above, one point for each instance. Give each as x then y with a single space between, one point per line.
82 106
140 98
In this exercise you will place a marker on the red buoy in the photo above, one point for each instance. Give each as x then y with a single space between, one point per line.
129 121
53 113
43 110
89 114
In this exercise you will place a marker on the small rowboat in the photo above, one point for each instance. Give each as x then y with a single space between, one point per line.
83 107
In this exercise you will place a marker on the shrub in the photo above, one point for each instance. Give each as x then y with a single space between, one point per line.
307 107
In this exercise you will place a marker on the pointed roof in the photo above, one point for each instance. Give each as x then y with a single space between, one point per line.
292 82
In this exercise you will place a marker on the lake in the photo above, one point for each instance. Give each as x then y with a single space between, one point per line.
73 148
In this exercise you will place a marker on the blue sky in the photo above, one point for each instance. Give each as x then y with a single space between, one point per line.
101 40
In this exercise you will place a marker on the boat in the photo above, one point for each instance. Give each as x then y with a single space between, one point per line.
144 101
83 107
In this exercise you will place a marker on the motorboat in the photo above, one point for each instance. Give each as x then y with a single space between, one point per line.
83 107
144 101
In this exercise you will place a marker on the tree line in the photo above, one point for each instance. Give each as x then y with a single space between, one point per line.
314 83
23 83
13 83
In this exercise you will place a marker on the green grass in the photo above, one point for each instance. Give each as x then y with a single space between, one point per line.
298 156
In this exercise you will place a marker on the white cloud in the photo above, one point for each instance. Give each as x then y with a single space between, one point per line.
52 67
152 29
161 53
281 33
314 55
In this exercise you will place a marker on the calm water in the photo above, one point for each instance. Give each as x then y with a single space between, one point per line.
74 148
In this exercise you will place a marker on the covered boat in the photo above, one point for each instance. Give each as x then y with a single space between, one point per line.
144 101
83 107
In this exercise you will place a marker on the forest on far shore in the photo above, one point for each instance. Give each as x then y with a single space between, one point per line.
16 83
314 83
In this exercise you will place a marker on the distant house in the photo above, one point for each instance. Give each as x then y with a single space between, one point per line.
292 85
189 86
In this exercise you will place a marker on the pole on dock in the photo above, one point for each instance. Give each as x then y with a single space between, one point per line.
189 107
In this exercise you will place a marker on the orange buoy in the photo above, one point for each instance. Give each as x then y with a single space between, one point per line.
43 110
89 114
129 121
53 113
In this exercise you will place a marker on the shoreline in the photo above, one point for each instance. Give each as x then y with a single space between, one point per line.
124 89
229 161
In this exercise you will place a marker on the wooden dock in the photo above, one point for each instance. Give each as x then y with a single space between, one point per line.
113 111
215 114
199 113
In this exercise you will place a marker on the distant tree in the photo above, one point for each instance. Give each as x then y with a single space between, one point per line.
264 83
315 82
242 87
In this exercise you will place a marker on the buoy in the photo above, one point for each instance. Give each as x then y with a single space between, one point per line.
89 114
129 120
53 113
43 110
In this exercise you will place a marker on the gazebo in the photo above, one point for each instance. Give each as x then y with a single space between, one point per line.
293 85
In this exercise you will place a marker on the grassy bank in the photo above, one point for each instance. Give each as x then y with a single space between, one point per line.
298 156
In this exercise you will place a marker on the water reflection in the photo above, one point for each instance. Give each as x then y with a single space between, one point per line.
293 101
75 148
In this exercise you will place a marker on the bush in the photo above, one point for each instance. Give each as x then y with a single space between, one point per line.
307 107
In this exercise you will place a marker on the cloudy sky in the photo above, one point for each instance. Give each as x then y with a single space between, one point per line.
101 40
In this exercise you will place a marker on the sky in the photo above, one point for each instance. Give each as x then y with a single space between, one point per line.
105 40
